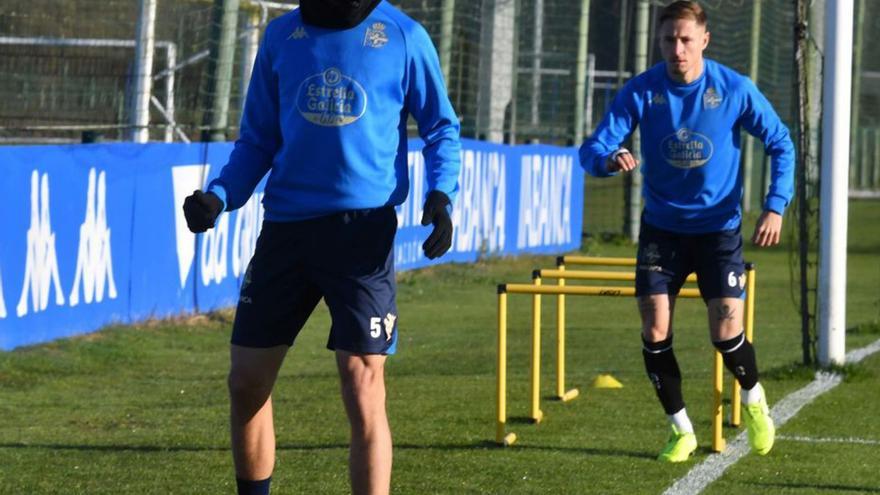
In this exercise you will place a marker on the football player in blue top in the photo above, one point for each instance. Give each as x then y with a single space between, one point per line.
690 111
333 85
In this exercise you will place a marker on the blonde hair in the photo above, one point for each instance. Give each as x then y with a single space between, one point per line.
684 9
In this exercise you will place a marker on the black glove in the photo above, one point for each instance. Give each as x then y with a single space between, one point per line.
435 212
201 210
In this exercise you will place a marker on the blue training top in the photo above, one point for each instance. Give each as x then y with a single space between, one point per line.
326 112
691 146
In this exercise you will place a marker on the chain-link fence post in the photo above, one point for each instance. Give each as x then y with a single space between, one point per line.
514 76
446 31
497 69
222 50
581 72
143 74
855 136
250 43
815 70
754 64
633 188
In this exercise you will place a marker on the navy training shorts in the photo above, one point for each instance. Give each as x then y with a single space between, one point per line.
666 258
346 258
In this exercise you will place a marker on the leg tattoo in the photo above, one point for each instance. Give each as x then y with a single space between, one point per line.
725 312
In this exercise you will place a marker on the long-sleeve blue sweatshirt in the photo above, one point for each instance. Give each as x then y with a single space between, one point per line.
690 146
326 115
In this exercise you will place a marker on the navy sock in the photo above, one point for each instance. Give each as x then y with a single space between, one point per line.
739 357
662 368
253 487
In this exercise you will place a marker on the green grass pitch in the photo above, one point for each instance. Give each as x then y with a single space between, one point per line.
143 409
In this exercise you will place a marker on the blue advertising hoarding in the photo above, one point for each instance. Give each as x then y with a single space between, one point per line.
94 234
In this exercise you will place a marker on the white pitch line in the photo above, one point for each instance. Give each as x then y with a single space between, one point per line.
797 438
861 353
703 474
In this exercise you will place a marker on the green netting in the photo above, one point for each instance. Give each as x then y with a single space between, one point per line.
53 92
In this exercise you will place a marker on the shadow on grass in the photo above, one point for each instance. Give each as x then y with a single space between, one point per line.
590 451
841 488
491 445
156 448
520 420
481 445
113 448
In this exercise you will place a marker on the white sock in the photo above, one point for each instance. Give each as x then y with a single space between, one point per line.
681 421
753 395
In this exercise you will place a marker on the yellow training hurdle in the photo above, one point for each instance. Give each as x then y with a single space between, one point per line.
561 290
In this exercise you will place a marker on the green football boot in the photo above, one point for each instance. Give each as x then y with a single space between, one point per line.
760 426
679 447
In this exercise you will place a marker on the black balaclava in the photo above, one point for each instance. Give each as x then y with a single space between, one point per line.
336 14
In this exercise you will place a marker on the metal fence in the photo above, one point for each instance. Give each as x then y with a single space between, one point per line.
68 67
517 70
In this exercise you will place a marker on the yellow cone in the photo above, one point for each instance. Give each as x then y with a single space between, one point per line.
606 381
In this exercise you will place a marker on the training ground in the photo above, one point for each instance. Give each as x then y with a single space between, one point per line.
142 410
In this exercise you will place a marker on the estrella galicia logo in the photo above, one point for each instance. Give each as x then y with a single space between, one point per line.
331 99
686 149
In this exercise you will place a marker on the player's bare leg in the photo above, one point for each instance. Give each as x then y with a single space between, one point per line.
726 328
251 377
362 378
656 312
725 318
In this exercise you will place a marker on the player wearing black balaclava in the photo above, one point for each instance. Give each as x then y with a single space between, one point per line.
326 114
336 14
